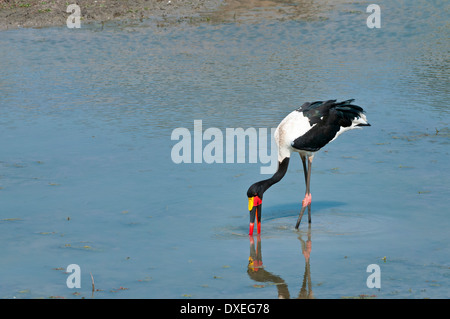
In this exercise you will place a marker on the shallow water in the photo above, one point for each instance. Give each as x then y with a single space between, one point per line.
86 175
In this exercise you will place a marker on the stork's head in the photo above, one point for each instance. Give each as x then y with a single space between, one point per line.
254 194
256 189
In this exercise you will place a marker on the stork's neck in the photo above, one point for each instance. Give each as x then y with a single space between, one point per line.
279 174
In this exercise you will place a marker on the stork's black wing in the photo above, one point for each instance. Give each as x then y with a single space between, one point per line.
326 119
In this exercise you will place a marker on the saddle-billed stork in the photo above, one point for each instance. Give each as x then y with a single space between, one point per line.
305 131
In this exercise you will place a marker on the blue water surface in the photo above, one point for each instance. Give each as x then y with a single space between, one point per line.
87 177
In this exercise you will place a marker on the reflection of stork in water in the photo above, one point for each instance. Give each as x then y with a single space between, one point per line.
305 131
257 272
306 290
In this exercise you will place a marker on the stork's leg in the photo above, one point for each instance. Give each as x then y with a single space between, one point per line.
305 170
308 183
307 200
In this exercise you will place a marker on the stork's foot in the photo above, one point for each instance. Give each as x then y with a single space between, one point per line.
307 200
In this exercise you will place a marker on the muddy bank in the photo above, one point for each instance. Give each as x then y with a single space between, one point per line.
39 13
